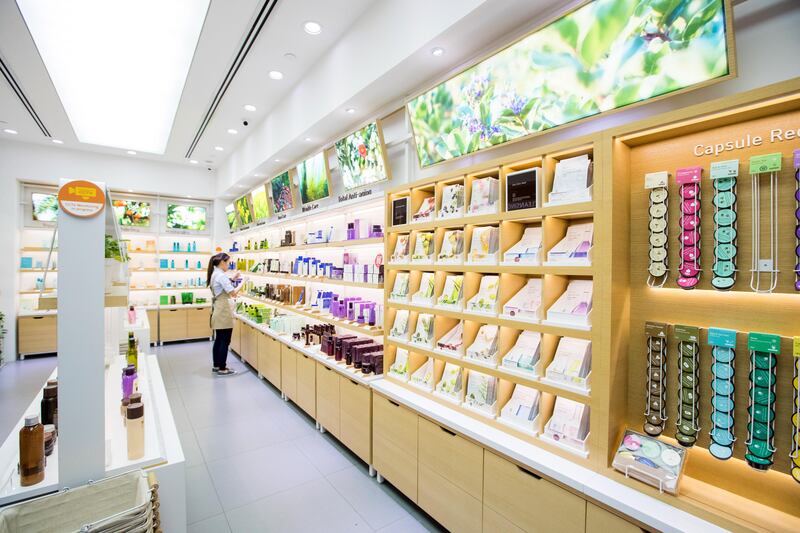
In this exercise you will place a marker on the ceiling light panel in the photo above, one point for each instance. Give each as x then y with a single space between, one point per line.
119 87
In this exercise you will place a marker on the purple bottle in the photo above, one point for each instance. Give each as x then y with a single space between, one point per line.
129 377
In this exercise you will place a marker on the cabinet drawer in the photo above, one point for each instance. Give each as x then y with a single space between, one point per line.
252 346
307 384
198 322
529 501
355 418
494 522
152 319
269 359
289 372
394 444
598 520
452 507
37 334
328 399
236 337
172 324
452 456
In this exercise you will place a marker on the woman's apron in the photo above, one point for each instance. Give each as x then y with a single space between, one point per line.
222 311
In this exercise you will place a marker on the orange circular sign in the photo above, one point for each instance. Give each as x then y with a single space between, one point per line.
81 198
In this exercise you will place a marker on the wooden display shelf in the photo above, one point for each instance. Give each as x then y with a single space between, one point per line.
310 279
36 249
38 270
170 252
45 291
168 270
561 331
497 371
168 288
48 303
540 270
346 324
333 244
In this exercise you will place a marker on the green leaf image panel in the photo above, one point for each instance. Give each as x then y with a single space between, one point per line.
281 187
313 174
259 203
243 211
45 207
360 156
230 214
603 56
188 217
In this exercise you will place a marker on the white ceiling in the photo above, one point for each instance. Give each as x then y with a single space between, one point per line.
394 61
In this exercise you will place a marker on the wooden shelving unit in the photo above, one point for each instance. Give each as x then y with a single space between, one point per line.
309 279
375 241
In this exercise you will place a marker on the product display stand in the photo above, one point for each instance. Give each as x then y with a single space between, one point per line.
764 266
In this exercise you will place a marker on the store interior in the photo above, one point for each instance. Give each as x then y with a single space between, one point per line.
484 266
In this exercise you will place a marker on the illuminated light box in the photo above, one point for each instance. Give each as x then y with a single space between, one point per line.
313 177
188 217
281 192
259 204
361 157
244 211
230 215
132 213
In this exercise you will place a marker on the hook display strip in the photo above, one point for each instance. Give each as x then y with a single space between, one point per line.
658 211
796 158
723 351
656 406
723 176
794 457
688 180
764 349
764 268
688 424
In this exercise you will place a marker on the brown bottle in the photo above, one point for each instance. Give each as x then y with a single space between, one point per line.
135 427
31 452
50 404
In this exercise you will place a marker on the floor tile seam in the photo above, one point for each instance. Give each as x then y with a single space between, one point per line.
216 493
373 528
280 492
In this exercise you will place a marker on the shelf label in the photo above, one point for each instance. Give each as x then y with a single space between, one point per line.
655 180
685 176
725 338
725 169
796 155
81 198
766 163
655 329
763 342
687 333
796 347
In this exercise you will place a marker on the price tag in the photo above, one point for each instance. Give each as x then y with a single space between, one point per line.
763 342
766 163
725 169
654 180
726 338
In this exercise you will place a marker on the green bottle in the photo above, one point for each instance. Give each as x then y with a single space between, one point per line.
133 351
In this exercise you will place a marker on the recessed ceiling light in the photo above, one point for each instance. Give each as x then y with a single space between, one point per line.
277 160
308 139
131 152
241 186
189 197
312 28
249 107
130 190
438 51
289 56
219 148
140 80
232 131
276 74
57 141
10 131
193 161
350 110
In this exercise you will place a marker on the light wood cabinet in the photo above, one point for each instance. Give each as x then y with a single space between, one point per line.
289 372
451 506
529 501
328 399
494 522
236 337
269 359
394 444
152 319
250 344
172 325
198 322
37 334
306 397
451 456
355 425
598 520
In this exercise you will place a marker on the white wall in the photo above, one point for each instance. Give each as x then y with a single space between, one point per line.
23 162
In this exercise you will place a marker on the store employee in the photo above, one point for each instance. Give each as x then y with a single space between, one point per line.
222 293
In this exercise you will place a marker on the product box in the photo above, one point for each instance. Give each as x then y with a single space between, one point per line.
521 189
528 250
651 461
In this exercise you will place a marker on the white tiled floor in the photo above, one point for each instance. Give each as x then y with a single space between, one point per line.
256 463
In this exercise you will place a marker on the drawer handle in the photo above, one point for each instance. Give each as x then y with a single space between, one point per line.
393 403
451 433
354 382
37 317
304 355
326 368
173 310
524 471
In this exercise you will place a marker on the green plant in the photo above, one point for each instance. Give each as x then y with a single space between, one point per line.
112 249
313 179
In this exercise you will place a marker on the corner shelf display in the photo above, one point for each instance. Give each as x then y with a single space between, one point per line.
489 297
728 398
326 266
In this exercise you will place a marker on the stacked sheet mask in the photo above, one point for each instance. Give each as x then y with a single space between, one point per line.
484 244
522 408
400 327
485 300
481 391
423 333
528 250
453 340
527 303
525 353
401 249
484 348
423 248
575 247
423 376
452 292
424 296
426 211
400 288
451 383
484 196
399 368
452 250
452 201
572 362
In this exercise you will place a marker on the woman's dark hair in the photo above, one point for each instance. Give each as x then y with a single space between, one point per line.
215 260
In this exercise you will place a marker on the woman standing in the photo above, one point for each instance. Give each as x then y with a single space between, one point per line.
222 294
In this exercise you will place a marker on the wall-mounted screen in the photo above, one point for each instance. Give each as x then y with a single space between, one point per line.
259 203
44 207
188 217
361 157
605 55
313 176
244 211
281 188
132 213
230 216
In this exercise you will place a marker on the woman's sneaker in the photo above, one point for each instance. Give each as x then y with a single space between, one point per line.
226 372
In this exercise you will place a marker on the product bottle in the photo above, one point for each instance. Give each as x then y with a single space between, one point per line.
135 397
194 246
50 404
135 428
131 315
31 452
128 381
49 439
186 264
172 264
133 351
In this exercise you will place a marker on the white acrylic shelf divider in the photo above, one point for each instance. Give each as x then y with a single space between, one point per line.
655 513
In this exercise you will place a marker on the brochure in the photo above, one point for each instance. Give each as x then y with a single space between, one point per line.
452 201
528 251
525 353
522 408
423 334
575 247
453 340
485 301
521 189
451 293
526 304
424 296
400 327
484 244
484 348
400 254
400 366
481 391
574 306
426 211
423 376
452 247
400 288
423 248
484 196
451 382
